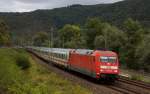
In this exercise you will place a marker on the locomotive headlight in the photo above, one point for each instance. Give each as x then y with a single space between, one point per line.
114 67
109 67
103 67
101 70
115 70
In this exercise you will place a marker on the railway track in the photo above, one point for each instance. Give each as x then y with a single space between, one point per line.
127 90
103 88
122 90
136 83
133 87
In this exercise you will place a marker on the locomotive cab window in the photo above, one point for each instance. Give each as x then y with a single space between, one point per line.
106 59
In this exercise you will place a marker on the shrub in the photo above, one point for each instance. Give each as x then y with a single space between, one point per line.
23 61
137 77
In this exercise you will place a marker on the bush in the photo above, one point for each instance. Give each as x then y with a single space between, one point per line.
23 62
137 77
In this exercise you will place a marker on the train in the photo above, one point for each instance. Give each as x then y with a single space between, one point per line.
98 64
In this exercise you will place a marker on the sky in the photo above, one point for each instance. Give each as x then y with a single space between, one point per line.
31 5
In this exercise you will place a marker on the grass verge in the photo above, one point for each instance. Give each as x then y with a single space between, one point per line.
30 77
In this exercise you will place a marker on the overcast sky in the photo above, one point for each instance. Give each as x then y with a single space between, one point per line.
30 5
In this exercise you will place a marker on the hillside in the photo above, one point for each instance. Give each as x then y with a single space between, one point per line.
41 20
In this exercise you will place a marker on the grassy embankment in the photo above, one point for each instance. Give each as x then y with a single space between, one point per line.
19 74
135 75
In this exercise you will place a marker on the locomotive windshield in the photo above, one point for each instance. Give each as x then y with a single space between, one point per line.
107 59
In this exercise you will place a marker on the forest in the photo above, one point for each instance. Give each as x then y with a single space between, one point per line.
41 20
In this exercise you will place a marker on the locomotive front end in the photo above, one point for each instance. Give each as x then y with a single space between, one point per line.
108 64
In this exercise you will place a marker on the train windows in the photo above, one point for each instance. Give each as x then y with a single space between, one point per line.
60 56
104 59
63 56
57 55
112 59
109 59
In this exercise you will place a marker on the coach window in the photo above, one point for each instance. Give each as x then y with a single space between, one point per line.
62 56
65 56
53 54
57 55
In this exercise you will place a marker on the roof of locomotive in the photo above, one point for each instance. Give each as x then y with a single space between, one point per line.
94 52
104 53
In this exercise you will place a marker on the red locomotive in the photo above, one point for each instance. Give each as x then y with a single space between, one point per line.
94 63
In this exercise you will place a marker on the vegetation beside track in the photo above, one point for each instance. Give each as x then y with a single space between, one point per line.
134 75
30 77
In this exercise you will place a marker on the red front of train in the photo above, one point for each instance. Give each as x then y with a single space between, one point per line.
97 64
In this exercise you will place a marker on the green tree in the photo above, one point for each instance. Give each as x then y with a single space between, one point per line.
4 35
94 28
70 36
143 53
103 35
41 39
134 33
99 42
111 38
